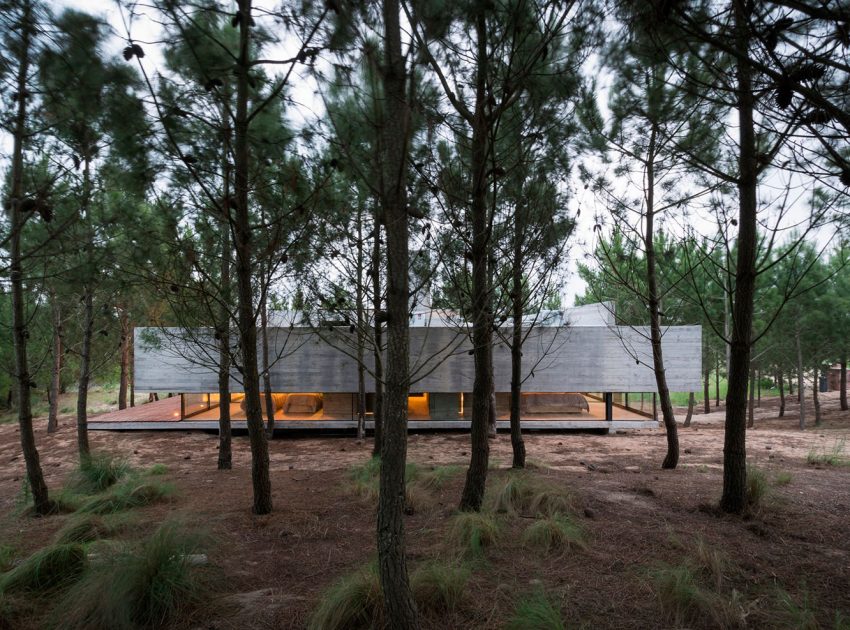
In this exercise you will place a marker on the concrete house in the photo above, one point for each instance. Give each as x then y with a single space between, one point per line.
581 371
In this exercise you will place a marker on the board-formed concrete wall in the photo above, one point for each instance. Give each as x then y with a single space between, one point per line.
571 359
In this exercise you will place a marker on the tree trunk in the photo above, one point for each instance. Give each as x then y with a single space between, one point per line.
482 331
843 383
225 433
56 372
132 367
752 395
247 324
706 394
758 388
124 378
517 443
672 456
267 377
781 394
791 384
360 331
399 606
734 497
801 386
691 404
378 340
85 374
35 477
225 448
717 385
816 397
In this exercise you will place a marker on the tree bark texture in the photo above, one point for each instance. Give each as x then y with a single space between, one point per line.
399 606
35 476
816 396
671 459
247 324
482 331
781 384
706 393
843 384
751 401
691 405
85 374
124 378
734 497
378 339
801 385
56 370
267 378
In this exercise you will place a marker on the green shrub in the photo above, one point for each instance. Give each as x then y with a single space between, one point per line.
97 472
146 585
471 532
438 586
52 567
556 532
353 602
536 612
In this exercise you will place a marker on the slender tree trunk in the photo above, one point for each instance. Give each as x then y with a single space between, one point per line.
225 433
717 385
843 383
801 386
734 497
816 397
706 394
132 366
517 443
85 374
56 372
124 378
779 380
360 331
399 606
752 395
691 404
247 324
791 384
672 456
482 331
758 388
378 340
267 377
35 476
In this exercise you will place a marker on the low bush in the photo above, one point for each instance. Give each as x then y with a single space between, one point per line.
536 612
97 472
471 532
52 567
158 469
757 486
833 457
131 493
523 492
145 585
82 529
353 602
439 586
7 557
556 532
783 478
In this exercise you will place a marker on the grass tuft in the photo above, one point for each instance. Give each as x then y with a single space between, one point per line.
46 569
83 529
556 532
354 601
525 493
132 493
793 614
438 586
147 585
536 612
757 486
833 457
680 596
7 557
712 562
783 478
471 532
97 472
157 469
435 478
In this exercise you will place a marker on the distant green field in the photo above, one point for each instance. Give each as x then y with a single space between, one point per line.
681 398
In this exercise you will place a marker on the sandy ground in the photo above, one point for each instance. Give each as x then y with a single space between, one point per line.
274 568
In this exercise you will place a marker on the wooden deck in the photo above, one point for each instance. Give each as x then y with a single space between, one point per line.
165 415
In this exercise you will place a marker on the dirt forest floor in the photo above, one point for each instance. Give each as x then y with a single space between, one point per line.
785 565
